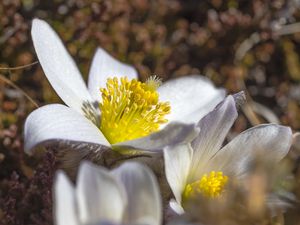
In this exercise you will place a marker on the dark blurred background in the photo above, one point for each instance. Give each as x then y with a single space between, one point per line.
239 44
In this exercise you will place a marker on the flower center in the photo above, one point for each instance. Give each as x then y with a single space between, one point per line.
131 109
211 186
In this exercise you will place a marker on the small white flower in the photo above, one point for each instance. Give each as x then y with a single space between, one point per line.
126 195
83 121
204 166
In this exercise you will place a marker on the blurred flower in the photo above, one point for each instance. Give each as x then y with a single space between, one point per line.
203 167
126 195
128 115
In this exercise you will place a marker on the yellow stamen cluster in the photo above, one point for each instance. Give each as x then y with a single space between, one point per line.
211 186
130 109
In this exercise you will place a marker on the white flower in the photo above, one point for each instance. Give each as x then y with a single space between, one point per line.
204 166
126 195
79 122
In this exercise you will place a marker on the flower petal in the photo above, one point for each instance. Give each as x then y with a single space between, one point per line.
177 208
174 133
190 97
100 196
144 201
59 122
65 211
103 67
269 140
213 130
58 65
283 201
177 166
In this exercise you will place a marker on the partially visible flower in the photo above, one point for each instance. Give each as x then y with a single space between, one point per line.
126 195
128 114
203 167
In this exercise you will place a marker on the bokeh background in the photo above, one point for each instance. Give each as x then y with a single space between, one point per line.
239 44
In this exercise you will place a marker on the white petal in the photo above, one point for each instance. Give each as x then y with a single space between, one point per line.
174 133
58 122
269 140
213 130
283 201
65 211
100 197
177 208
177 166
103 67
191 97
239 98
144 201
58 65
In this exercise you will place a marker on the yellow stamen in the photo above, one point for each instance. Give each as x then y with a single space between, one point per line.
211 186
130 109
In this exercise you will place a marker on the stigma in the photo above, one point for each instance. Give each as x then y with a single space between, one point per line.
211 186
131 109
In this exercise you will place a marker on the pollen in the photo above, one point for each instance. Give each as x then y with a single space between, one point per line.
131 109
210 186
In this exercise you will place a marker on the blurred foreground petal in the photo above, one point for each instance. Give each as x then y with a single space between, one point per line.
99 196
65 207
127 195
144 201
